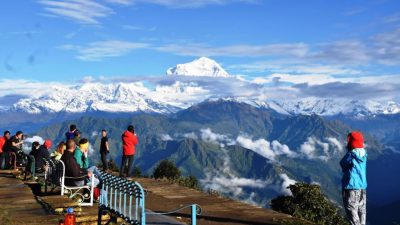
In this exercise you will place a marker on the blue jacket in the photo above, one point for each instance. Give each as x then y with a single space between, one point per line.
354 166
80 158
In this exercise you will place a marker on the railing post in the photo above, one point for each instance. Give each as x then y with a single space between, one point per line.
194 214
99 216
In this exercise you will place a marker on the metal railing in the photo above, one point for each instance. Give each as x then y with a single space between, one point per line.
122 198
126 199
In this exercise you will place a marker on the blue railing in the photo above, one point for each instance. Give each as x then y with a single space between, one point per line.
123 198
126 199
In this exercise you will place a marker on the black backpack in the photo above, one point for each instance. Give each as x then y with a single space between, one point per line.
22 159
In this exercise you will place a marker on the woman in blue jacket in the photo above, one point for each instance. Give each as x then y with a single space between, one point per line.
354 180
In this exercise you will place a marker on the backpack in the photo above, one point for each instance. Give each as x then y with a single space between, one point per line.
22 159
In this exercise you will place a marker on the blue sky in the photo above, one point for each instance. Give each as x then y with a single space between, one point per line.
46 40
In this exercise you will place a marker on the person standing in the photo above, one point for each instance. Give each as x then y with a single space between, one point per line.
71 133
354 180
129 141
3 157
104 149
4 139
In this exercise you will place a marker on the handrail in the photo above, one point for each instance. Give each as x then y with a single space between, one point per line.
123 198
195 210
198 210
126 199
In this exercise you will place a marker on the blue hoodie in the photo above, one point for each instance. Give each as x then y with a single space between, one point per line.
354 167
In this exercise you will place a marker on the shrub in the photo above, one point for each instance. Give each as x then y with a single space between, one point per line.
190 182
166 169
137 172
307 202
113 166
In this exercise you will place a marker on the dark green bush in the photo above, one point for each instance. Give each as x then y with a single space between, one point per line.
166 169
137 172
307 202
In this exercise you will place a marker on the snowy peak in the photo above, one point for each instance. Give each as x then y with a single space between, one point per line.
200 67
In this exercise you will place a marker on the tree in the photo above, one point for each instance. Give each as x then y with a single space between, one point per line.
307 202
166 169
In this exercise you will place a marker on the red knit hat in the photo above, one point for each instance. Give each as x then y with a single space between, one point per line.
47 144
355 140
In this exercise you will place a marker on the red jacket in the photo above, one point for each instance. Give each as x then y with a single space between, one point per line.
355 140
129 140
2 142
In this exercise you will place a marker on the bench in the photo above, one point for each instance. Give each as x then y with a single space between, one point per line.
55 177
126 199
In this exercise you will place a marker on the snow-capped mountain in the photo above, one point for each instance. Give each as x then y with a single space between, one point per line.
199 67
322 107
132 97
331 107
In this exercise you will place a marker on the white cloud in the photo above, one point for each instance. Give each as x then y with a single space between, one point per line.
226 182
285 183
97 51
265 148
26 87
209 136
34 138
200 49
166 137
317 149
120 2
187 3
95 134
81 11
190 135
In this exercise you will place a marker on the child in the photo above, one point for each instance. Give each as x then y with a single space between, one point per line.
354 181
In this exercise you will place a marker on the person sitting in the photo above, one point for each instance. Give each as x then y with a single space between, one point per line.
82 158
40 153
59 151
80 176
14 144
81 153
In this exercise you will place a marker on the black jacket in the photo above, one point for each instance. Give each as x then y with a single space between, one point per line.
72 168
40 154
8 147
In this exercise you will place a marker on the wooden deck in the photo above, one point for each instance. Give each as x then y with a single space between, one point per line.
19 205
163 197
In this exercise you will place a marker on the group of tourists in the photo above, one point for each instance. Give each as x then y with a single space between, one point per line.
73 152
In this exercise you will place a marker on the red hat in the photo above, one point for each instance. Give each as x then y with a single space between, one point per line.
47 144
355 140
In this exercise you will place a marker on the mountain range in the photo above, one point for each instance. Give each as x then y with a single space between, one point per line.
185 85
244 152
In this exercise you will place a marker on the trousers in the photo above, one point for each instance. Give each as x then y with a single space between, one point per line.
355 205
